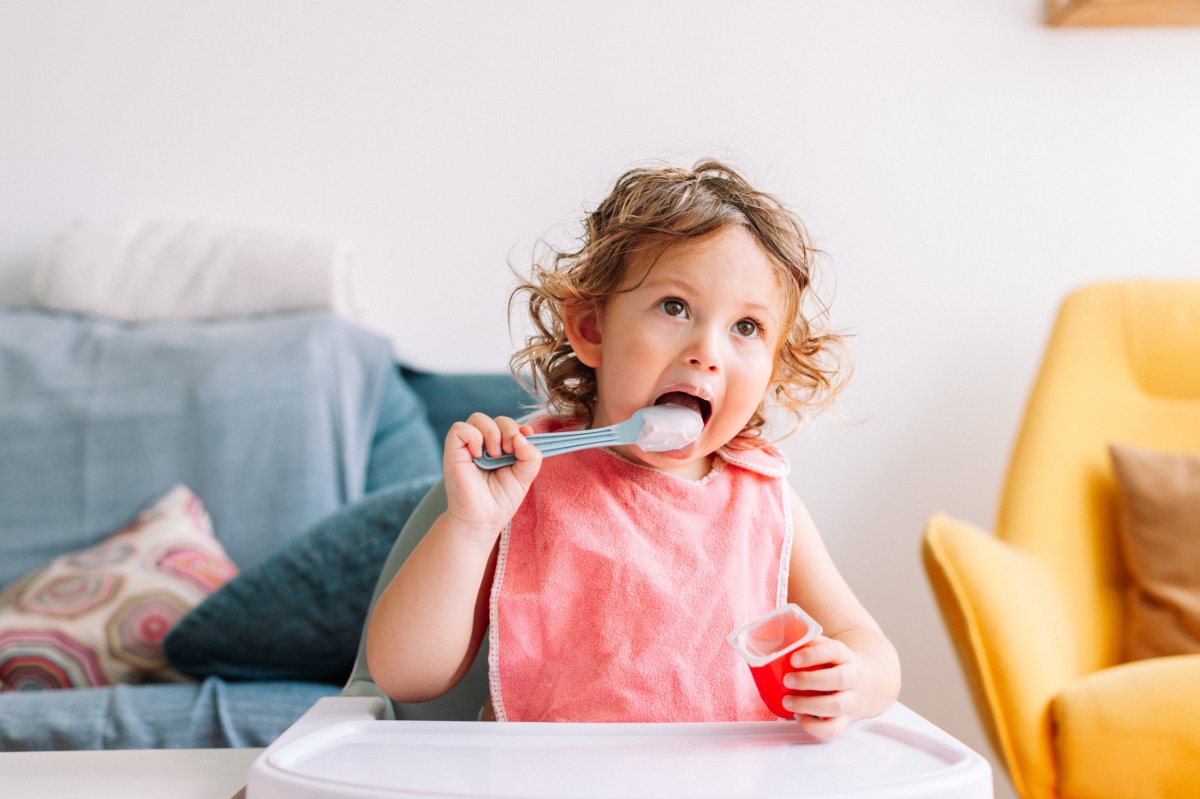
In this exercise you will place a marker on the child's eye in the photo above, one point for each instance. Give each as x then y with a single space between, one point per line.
673 307
747 328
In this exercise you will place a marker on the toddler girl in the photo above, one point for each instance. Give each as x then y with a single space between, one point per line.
608 579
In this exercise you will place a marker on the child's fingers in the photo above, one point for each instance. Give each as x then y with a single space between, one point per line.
529 459
823 729
825 706
508 429
467 436
490 430
821 651
833 678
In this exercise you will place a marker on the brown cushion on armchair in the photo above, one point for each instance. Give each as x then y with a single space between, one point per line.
1160 545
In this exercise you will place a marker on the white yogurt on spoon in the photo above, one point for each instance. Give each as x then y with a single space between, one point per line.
668 427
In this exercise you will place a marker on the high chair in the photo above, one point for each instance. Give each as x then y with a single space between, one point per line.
1036 611
362 744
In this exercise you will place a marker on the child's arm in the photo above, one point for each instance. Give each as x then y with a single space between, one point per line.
429 622
852 670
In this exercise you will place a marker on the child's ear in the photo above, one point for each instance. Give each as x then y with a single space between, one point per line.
582 322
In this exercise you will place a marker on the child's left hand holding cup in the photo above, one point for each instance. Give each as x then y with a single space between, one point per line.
828 676
482 499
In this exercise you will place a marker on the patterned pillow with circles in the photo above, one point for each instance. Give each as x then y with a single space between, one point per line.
98 616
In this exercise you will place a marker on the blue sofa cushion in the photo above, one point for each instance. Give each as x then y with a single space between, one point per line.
270 420
299 614
404 446
452 397
167 716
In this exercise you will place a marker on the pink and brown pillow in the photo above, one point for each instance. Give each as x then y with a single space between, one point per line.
98 616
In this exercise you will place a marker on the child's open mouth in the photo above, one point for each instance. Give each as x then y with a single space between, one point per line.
700 406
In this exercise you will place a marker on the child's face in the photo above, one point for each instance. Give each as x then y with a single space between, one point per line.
705 321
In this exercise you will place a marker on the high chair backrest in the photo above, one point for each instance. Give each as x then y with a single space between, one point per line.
466 699
1122 366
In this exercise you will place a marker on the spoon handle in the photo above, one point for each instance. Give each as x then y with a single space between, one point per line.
559 444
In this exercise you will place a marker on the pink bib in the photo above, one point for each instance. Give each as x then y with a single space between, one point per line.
616 585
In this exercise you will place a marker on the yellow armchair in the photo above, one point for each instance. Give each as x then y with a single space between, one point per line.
1036 611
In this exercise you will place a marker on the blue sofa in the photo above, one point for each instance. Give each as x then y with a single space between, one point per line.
308 446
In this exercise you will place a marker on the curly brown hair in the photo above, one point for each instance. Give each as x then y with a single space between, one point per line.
648 209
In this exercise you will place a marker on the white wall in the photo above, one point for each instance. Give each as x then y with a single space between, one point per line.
963 165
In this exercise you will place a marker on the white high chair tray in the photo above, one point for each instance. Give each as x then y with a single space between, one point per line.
896 755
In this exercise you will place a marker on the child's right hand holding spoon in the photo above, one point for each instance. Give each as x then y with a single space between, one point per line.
485 501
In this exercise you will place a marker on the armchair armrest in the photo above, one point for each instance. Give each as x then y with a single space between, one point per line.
1008 621
1145 713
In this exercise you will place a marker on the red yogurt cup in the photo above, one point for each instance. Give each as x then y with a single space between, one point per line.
766 644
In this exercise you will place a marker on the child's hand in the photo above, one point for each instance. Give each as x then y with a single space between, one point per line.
829 677
485 500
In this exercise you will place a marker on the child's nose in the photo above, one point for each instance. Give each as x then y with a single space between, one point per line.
705 352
